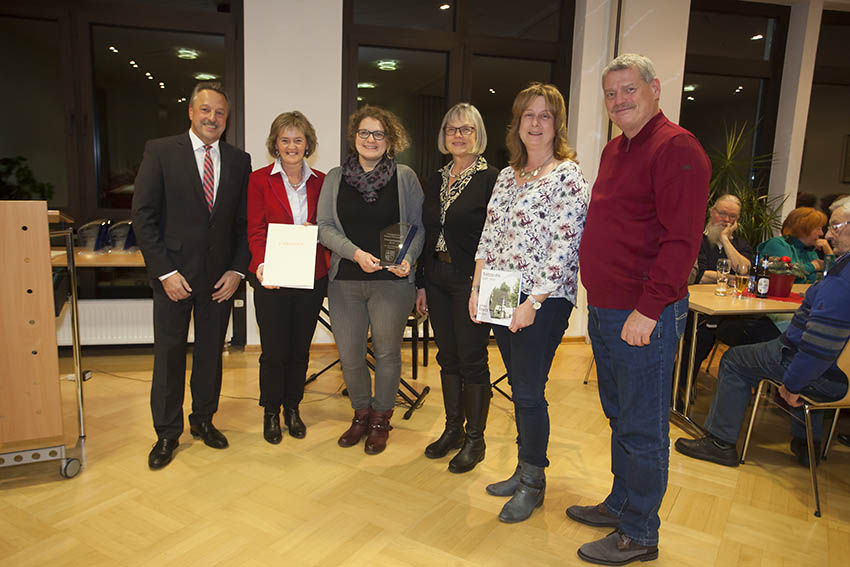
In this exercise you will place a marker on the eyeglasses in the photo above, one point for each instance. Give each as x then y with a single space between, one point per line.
730 216
464 130
838 225
378 135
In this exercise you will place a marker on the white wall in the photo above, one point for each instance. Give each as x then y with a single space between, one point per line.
293 61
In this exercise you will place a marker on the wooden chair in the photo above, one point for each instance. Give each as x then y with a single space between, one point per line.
808 406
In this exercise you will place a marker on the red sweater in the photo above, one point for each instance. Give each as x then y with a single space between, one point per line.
645 219
268 203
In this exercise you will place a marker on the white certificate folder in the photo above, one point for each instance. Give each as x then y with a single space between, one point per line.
290 256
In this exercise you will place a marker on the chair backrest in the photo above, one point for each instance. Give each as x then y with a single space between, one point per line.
843 364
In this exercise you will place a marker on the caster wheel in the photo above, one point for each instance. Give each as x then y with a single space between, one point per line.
70 468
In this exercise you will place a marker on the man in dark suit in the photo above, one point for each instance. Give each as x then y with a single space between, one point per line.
189 215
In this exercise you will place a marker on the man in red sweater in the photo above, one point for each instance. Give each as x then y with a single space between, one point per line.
643 232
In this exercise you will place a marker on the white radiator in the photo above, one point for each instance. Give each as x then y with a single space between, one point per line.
111 322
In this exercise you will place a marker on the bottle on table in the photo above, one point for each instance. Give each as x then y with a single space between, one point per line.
763 278
751 285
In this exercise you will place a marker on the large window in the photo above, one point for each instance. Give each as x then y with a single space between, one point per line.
732 76
420 58
88 83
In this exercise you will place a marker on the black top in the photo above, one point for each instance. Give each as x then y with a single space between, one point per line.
464 220
363 222
710 253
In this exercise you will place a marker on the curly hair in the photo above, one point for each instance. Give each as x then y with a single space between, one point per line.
397 138
802 221
555 105
294 119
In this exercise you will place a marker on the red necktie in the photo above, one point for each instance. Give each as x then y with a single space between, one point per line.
209 177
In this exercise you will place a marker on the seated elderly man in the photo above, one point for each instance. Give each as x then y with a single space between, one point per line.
719 241
803 356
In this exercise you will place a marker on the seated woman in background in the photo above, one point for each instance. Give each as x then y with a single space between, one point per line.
802 238
285 192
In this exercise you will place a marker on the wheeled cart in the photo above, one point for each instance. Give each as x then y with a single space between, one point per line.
31 420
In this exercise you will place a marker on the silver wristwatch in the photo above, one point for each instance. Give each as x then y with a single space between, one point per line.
534 303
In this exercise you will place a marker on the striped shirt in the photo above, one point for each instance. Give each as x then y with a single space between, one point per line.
820 328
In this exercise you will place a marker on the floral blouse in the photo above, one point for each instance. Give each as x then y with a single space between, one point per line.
535 228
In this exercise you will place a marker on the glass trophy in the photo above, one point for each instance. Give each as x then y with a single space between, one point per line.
395 241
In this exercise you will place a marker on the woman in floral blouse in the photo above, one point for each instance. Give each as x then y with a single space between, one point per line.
534 224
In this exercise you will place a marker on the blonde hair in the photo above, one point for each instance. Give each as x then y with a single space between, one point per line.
294 119
461 111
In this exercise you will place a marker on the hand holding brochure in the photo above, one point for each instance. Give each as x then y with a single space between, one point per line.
290 259
498 296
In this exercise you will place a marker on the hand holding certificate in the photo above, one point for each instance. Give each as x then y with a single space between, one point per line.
290 259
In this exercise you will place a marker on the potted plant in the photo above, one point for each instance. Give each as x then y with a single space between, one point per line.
783 272
735 171
17 181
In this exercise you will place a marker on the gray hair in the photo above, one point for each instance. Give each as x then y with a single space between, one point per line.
728 197
208 86
843 202
631 61
464 110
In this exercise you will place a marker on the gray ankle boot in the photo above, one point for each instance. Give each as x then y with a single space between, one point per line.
528 495
505 487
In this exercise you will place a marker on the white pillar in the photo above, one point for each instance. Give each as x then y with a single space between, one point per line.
658 29
797 71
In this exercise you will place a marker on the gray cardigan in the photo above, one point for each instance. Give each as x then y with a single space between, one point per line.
332 235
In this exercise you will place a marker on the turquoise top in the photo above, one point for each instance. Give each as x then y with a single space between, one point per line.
798 252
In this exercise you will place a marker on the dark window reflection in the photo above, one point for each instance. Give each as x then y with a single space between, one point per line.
833 47
529 19
142 82
417 14
713 104
495 83
415 90
34 124
731 35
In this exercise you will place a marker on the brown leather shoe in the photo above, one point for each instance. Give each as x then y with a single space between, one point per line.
359 426
379 431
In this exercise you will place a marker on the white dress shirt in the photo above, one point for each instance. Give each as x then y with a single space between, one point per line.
297 195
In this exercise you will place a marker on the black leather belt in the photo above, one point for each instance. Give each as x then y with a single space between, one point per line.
443 257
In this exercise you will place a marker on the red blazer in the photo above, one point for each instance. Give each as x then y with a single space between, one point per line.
268 203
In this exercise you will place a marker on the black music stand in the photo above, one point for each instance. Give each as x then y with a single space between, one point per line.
412 399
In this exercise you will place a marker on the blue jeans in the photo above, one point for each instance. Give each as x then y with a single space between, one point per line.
742 368
635 387
528 355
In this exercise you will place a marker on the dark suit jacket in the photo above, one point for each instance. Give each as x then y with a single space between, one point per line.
464 219
269 203
174 229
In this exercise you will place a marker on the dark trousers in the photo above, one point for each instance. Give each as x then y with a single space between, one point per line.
733 331
287 319
461 344
634 388
171 330
528 355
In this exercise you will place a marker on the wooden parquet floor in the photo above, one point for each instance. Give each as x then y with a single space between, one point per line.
311 503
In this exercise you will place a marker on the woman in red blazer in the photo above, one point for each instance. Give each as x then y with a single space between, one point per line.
287 191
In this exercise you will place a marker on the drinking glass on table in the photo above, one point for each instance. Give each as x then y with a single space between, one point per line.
742 278
723 269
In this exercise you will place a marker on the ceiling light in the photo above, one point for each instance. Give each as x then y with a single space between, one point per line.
205 77
186 53
162 84
445 6
181 99
366 85
150 77
147 74
387 64
360 99
492 91
690 88
691 98
757 37
113 49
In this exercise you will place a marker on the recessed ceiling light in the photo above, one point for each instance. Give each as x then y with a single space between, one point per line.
187 53
492 91
150 77
757 37
147 74
690 88
205 77
387 64
691 98
445 6
366 85
113 49
360 99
